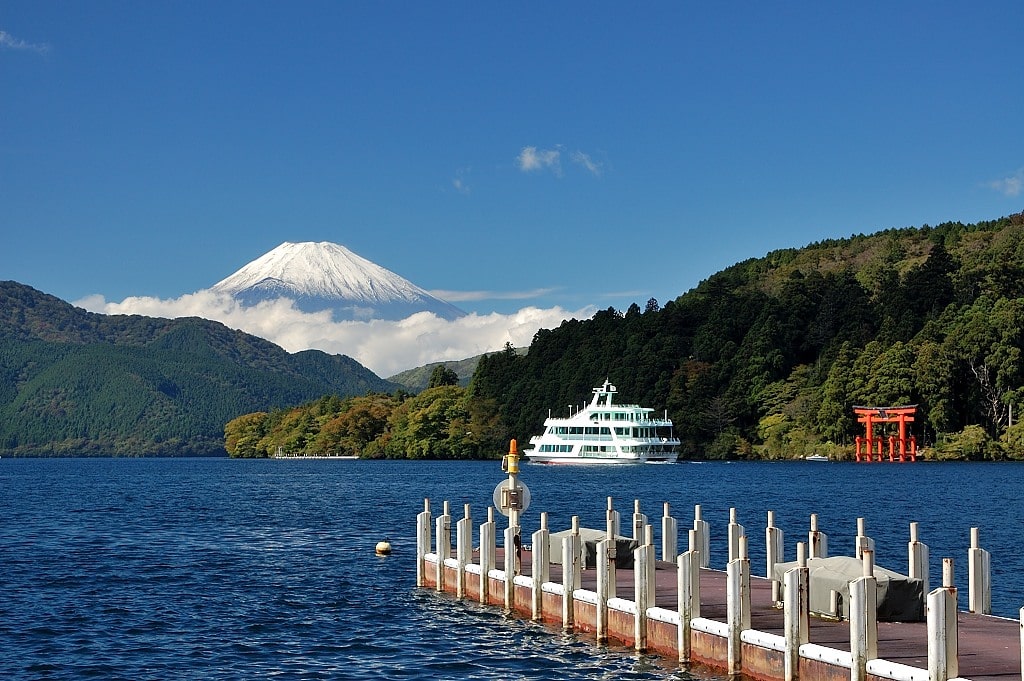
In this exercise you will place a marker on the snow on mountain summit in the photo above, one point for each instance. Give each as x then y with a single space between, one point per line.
324 275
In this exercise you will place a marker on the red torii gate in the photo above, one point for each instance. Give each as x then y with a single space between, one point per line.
869 416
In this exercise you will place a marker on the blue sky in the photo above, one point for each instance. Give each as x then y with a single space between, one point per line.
569 155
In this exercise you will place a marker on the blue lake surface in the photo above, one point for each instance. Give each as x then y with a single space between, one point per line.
253 569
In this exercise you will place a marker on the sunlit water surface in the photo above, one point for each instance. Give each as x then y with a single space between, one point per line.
224 569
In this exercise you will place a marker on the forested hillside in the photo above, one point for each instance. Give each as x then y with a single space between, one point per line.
768 357
77 383
765 359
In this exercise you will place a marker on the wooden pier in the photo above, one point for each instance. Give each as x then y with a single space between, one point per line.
723 621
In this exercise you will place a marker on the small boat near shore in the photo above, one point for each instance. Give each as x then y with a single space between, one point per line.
604 432
816 457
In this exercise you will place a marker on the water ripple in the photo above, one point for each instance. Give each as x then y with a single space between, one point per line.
229 570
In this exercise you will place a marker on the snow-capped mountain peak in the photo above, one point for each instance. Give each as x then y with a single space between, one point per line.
324 275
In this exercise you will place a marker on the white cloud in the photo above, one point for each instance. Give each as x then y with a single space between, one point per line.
1010 186
584 160
459 181
385 347
531 159
460 296
8 41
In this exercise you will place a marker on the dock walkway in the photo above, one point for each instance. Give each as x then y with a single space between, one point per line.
986 648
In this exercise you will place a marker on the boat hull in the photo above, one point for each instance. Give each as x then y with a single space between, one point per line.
583 460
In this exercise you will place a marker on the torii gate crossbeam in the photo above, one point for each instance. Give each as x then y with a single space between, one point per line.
869 416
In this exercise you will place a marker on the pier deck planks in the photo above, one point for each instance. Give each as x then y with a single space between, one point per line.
989 647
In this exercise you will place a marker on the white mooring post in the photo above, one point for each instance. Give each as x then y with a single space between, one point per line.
510 568
444 543
615 518
423 541
863 619
639 520
735 532
862 542
774 553
942 628
488 554
979 577
541 566
737 596
918 559
604 548
817 541
611 534
796 612
570 572
463 550
643 588
703 538
688 604
669 536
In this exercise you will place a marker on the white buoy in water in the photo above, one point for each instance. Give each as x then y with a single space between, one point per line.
383 548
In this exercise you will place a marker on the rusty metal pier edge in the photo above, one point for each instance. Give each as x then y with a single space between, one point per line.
682 634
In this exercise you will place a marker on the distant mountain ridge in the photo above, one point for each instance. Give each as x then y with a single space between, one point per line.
327 276
77 383
417 378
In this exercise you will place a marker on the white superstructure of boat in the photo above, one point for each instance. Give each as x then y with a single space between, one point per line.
605 433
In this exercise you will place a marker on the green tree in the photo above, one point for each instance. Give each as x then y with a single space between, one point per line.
441 376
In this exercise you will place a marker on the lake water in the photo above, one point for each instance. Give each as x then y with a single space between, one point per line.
252 569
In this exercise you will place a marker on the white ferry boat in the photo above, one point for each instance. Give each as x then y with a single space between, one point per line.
605 433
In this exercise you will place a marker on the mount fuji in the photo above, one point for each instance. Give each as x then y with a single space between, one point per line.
322 275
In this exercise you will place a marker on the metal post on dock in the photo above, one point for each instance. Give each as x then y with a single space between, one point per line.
817 541
735 532
615 518
604 548
737 604
918 559
639 520
688 599
510 568
703 538
571 547
863 618
611 534
796 612
463 551
423 542
488 554
979 577
669 536
862 542
643 588
514 499
943 663
444 543
774 554
541 566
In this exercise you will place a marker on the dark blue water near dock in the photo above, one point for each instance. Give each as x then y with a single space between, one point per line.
223 569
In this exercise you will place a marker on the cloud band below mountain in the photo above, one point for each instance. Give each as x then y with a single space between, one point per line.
384 347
